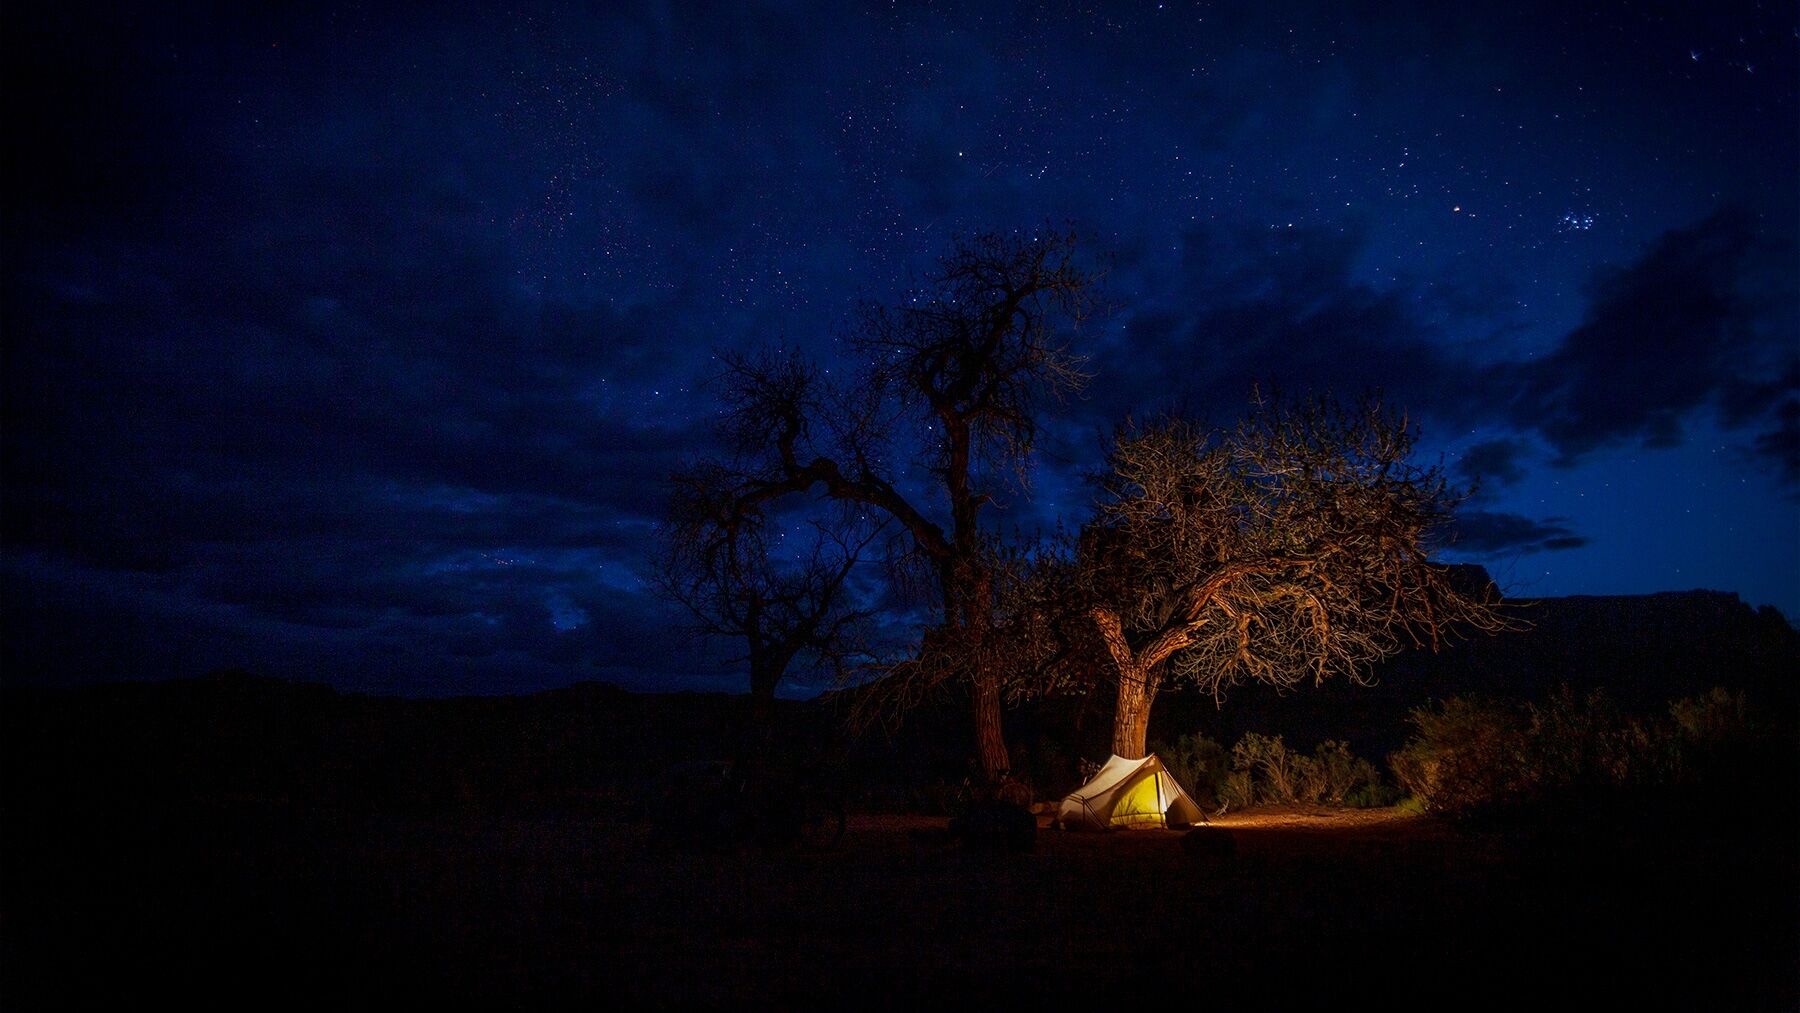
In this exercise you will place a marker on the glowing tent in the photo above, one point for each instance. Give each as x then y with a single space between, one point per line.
1128 793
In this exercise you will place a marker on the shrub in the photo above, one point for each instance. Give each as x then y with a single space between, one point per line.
1276 773
1238 791
1719 741
1309 784
1335 773
1372 795
1714 719
1467 752
1200 764
1262 768
1583 741
1275 770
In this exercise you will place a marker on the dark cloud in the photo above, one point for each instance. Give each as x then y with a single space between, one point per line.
1781 444
1673 332
1490 533
1493 463
1278 306
482 636
1697 322
333 436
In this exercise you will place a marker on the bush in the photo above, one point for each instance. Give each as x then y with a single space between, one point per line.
1372 795
1239 790
1718 741
1468 752
1712 722
1274 773
1200 764
1335 772
1578 742
1261 768
1275 770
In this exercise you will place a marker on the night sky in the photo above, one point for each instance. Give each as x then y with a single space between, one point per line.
355 346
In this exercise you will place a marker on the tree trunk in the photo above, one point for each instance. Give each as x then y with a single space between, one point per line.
1131 721
969 598
990 736
762 707
765 675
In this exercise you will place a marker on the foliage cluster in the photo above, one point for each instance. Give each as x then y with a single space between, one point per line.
1262 768
1470 754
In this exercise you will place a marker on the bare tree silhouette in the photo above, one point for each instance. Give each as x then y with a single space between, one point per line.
953 379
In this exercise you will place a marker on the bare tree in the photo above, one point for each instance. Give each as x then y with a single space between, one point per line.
955 375
1293 548
741 577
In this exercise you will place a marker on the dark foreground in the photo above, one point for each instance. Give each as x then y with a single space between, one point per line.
261 902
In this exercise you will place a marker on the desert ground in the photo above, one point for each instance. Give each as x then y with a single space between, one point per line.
261 902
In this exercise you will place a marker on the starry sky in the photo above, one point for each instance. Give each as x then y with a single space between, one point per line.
358 346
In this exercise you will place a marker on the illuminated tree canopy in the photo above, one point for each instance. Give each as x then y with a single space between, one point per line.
1292 548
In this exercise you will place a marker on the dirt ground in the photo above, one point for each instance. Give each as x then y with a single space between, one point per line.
257 903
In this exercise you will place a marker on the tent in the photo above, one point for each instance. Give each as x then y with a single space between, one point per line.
1129 793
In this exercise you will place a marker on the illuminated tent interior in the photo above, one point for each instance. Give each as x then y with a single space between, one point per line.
1128 794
